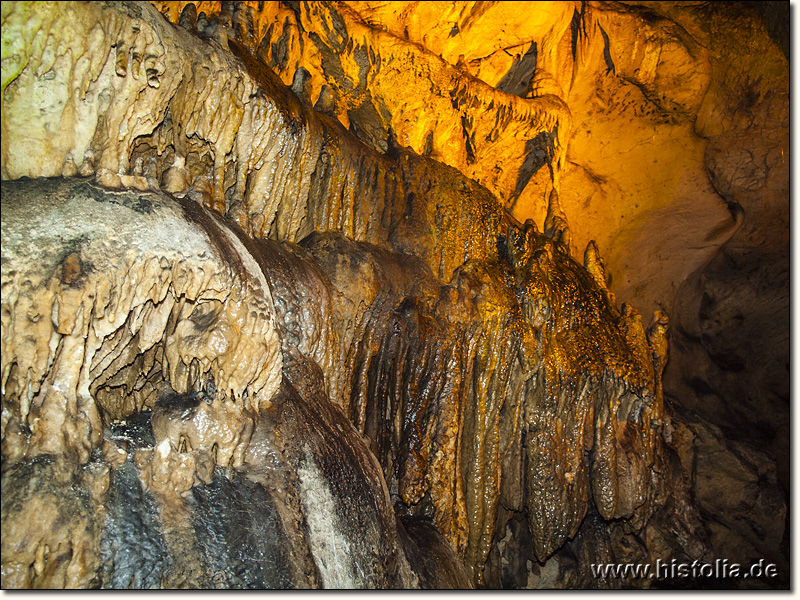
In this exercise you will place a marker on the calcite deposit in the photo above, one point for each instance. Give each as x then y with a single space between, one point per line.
391 295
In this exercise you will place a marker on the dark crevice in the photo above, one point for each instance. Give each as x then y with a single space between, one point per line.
607 52
518 79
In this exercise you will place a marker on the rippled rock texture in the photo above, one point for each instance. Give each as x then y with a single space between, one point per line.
272 319
195 408
199 456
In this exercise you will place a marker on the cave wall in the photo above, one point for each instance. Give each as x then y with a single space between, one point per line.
259 275
171 369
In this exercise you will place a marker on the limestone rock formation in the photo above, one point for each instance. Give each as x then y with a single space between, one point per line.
290 296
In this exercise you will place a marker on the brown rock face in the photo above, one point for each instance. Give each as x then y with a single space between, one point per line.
295 295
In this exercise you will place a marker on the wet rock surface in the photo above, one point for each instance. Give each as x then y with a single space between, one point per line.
187 455
267 323
432 388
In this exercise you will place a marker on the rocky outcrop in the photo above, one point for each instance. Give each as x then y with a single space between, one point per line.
199 443
120 300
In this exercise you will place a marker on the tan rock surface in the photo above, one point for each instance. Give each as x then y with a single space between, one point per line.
121 299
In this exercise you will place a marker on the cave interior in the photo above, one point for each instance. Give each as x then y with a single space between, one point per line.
394 295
